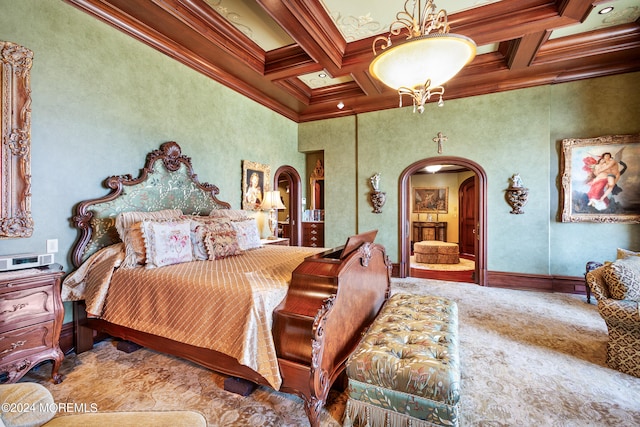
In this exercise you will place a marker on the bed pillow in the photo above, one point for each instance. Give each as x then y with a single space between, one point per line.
623 278
232 214
200 226
167 242
624 253
128 227
248 234
221 241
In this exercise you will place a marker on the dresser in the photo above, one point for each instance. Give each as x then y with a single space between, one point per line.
31 316
313 234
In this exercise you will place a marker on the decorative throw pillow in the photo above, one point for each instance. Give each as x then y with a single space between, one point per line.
167 242
131 236
623 278
136 245
623 253
232 214
221 241
248 234
200 226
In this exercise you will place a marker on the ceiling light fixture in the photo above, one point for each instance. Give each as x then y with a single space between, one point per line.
433 168
606 10
340 105
428 58
322 75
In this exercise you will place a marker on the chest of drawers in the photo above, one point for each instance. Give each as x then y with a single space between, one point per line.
313 234
31 316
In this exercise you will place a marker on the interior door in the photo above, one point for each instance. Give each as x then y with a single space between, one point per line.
468 216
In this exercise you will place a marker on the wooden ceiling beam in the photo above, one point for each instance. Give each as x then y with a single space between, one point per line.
304 30
522 51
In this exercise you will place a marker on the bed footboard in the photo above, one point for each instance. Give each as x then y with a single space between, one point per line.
330 303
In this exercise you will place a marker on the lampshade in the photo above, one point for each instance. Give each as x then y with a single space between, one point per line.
272 201
427 59
435 58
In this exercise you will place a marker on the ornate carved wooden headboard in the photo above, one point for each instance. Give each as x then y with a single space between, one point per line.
167 181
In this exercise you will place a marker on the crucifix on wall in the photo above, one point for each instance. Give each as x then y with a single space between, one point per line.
440 139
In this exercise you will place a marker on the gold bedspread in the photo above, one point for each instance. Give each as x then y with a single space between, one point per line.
224 305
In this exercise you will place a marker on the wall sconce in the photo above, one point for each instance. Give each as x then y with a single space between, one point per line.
377 197
516 195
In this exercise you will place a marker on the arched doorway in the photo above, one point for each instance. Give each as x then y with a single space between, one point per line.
480 184
287 176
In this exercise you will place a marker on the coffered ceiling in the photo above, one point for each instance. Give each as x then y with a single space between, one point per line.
302 58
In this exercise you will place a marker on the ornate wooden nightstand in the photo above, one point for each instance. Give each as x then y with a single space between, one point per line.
31 315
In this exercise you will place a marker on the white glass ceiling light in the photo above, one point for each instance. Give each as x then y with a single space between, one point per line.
433 168
428 58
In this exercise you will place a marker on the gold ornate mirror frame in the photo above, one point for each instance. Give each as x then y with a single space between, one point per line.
15 153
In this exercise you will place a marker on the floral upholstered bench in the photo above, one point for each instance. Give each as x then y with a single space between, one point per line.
406 370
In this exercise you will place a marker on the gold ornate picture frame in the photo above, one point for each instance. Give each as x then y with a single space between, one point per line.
15 146
256 181
431 200
600 180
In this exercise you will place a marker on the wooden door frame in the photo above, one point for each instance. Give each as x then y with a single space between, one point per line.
295 201
460 210
404 205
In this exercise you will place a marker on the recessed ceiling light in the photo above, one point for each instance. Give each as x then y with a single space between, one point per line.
322 75
606 10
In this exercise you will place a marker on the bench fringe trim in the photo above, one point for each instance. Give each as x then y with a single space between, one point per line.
367 415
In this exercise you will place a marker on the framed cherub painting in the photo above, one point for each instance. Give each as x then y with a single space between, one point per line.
601 179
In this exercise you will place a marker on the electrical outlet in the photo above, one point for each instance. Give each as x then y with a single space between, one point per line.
52 246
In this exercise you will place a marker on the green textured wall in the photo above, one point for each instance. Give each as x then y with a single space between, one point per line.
506 133
102 100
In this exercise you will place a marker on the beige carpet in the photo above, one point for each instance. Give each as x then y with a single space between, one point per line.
527 359
463 265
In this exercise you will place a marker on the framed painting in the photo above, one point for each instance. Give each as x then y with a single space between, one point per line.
600 179
434 200
256 180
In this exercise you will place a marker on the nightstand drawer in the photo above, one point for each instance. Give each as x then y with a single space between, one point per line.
26 307
23 342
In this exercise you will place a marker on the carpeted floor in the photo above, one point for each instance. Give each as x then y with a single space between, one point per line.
527 359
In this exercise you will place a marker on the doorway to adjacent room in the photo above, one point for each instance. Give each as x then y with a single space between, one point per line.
443 200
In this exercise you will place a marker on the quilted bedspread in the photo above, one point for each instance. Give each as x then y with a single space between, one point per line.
225 305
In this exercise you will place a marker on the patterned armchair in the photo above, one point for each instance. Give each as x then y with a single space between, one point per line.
616 287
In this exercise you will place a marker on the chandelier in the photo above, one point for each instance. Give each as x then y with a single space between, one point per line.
428 58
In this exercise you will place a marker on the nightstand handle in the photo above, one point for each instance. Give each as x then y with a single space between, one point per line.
16 307
14 345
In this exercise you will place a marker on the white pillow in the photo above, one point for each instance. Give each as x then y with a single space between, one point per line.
131 234
247 233
167 242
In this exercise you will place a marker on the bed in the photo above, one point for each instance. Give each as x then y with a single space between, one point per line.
282 317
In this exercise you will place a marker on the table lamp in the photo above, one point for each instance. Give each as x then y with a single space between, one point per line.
272 203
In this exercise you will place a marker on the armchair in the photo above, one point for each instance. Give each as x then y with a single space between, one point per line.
616 287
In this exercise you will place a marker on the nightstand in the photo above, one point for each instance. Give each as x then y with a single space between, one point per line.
31 316
280 241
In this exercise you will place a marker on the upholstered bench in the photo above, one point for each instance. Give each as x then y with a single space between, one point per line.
436 252
406 370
